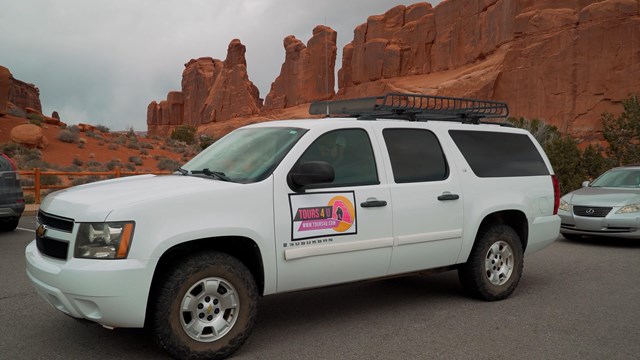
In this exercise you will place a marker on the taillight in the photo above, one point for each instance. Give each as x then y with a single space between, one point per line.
556 194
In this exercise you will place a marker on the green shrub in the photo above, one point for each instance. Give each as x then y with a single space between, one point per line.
113 147
145 145
168 164
184 133
102 128
111 165
50 180
68 136
135 160
77 161
623 133
133 145
205 141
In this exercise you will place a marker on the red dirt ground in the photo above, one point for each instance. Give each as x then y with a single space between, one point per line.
61 153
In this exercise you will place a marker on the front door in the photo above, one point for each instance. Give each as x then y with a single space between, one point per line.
338 231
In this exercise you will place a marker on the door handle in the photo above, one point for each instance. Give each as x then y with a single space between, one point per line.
373 203
448 196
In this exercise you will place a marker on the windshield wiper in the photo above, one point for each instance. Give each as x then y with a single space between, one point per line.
215 174
183 171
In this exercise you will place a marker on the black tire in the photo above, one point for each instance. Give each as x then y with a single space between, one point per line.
9 224
495 264
231 280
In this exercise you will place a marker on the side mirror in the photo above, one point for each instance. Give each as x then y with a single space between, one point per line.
311 172
585 184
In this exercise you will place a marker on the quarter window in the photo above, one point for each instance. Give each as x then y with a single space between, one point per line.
416 155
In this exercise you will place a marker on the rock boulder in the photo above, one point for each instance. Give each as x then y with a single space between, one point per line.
29 135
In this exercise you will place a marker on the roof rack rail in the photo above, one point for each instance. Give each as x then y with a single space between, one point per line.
413 107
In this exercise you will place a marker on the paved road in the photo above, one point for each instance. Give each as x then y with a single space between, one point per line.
576 300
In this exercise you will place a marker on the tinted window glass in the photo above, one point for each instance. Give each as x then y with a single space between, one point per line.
495 154
4 164
415 155
349 152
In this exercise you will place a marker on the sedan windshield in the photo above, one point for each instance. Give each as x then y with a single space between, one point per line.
245 155
627 178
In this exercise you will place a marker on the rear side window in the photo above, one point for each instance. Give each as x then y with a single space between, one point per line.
416 155
4 164
497 154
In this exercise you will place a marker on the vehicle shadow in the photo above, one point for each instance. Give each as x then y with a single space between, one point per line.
604 241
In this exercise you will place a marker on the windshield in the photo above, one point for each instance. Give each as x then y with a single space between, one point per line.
627 178
245 155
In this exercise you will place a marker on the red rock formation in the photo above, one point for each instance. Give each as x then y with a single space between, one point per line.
308 72
197 79
232 94
212 90
562 61
29 135
24 95
5 75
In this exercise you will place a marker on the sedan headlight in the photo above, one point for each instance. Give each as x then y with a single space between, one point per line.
629 209
564 206
104 240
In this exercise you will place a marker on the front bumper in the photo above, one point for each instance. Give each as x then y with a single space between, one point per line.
110 292
613 225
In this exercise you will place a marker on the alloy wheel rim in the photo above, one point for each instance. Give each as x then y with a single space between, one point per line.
209 309
499 263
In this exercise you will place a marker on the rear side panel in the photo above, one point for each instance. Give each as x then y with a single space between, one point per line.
11 197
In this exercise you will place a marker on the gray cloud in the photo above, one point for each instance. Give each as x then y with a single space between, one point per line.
103 61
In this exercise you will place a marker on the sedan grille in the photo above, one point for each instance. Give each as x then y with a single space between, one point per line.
591 211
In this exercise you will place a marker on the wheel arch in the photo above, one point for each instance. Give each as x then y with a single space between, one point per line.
515 219
242 248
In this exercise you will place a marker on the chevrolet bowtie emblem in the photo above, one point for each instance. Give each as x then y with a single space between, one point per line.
41 231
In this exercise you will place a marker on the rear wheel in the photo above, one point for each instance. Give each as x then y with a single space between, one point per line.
9 224
206 308
495 264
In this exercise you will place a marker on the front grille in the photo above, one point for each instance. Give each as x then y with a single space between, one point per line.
55 222
54 248
591 211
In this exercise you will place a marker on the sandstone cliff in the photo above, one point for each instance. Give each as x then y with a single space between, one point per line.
563 61
212 90
307 73
19 93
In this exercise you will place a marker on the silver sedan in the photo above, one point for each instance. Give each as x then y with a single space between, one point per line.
610 206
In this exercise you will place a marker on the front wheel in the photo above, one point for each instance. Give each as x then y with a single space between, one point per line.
206 308
494 267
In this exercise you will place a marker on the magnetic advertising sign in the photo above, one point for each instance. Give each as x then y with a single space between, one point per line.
322 214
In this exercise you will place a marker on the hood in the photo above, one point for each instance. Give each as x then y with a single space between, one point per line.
596 196
94 201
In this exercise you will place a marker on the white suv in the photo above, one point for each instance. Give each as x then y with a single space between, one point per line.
290 205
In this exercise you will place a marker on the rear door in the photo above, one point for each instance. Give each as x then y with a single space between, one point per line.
427 198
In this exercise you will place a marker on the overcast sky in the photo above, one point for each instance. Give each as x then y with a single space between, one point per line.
103 61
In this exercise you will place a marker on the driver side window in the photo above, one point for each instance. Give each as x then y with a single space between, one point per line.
350 154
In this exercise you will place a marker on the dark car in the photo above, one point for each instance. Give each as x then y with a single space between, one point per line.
11 197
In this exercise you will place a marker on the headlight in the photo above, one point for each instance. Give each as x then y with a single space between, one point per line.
629 209
104 240
564 206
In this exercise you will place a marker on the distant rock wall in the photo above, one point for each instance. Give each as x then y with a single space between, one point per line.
18 93
562 61
212 90
308 72
5 77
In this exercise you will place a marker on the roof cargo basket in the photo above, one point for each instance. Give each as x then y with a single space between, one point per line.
413 107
